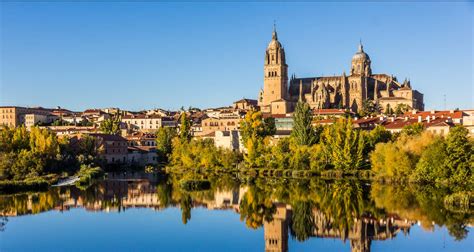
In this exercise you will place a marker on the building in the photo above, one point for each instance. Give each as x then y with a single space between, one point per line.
13 116
72 130
245 104
113 148
332 113
225 120
436 125
343 91
95 115
142 155
141 122
38 119
229 139
141 139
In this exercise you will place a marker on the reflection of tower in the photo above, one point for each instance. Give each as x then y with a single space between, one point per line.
276 231
360 242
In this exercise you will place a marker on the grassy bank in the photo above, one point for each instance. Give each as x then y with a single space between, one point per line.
36 184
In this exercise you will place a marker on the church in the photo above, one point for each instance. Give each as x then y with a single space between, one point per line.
347 91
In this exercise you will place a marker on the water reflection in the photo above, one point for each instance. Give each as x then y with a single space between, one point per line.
349 210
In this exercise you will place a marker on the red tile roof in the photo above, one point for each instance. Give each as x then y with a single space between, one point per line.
108 137
455 114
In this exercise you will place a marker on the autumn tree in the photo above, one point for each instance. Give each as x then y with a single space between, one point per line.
303 131
111 125
185 128
253 130
343 145
164 138
459 155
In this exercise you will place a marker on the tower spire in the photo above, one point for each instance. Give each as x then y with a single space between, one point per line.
361 47
274 34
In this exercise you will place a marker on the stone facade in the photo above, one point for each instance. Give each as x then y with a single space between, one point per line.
343 91
275 83
13 116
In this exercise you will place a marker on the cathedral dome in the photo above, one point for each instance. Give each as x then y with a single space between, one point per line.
274 44
360 54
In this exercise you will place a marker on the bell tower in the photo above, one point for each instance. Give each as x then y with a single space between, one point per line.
361 63
275 82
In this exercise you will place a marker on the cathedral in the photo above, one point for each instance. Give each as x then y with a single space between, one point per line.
348 91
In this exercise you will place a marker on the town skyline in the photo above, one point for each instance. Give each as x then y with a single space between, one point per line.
141 63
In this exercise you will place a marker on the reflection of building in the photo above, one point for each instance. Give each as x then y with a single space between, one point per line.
361 232
276 231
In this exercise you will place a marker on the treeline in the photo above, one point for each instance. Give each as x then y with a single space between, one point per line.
337 147
334 150
39 153
427 158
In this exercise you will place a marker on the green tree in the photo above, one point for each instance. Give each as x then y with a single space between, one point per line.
378 135
413 129
369 108
164 140
401 109
388 110
431 166
343 145
185 128
253 130
459 155
111 125
303 131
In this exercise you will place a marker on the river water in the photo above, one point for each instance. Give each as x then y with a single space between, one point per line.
137 211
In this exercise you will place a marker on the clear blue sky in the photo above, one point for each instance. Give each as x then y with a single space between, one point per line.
148 55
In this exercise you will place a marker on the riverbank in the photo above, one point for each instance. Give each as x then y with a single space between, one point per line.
28 185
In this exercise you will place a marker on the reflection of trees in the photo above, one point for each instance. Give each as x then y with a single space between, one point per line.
316 205
186 205
424 203
343 202
164 191
3 223
256 206
302 221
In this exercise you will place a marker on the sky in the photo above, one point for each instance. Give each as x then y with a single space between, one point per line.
145 55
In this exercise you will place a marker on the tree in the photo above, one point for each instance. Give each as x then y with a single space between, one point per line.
431 166
343 145
303 131
164 140
378 135
111 125
253 130
369 108
413 129
185 128
459 155
388 110
401 109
